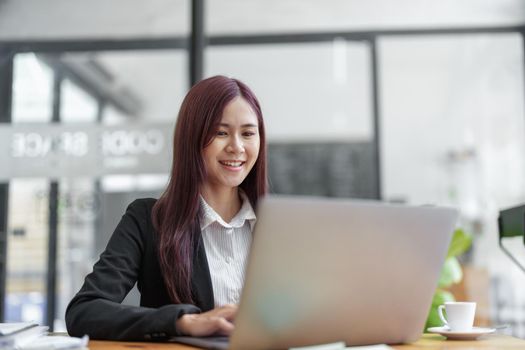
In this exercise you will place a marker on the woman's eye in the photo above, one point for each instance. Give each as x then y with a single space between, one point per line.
221 133
248 133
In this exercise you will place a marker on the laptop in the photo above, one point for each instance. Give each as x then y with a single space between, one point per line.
330 270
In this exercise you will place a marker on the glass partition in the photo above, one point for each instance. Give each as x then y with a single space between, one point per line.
316 101
453 122
314 92
109 88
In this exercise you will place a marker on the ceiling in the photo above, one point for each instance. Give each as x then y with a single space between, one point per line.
52 19
159 78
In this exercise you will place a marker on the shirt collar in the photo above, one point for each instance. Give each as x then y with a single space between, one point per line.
209 215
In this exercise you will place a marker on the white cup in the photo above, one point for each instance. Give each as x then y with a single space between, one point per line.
460 315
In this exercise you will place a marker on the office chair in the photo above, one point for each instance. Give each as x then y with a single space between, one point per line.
511 223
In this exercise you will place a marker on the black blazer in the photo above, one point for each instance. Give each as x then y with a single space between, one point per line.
131 256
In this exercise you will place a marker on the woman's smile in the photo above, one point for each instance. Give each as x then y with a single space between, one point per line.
232 165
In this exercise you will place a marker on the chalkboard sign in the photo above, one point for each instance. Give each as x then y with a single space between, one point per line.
323 169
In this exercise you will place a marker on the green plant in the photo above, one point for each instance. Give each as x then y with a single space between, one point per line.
451 273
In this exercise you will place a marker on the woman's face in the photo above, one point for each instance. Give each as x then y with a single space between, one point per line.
234 149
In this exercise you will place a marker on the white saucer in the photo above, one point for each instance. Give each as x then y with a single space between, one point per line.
473 334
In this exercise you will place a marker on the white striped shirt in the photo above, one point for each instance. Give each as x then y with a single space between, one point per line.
227 247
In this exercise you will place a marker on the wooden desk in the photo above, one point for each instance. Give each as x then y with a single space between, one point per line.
427 342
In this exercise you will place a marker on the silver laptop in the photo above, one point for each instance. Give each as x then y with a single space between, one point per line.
329 270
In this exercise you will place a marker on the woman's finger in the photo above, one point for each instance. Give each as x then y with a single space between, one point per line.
224 327
228 311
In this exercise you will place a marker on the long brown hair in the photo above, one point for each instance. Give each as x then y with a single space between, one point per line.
176 214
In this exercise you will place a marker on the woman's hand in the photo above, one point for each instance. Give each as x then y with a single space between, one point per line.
218 321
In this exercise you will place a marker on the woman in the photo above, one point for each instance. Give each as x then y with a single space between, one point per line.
186 251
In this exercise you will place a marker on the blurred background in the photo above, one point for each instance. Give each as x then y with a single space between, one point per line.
409 101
